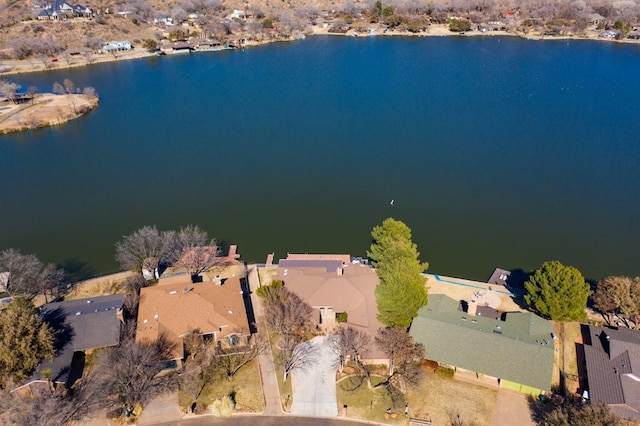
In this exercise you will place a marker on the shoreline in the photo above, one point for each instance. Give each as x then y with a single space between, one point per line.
434 30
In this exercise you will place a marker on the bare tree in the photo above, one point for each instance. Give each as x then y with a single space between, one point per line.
129 373
54 407
58 89
32 92
194 251
50 279
141 10
193 343
145 248
23 272
296 355
232 359
351 344
199 373
70 89
9 90
179 15
288 315
90 91
404 357
93 43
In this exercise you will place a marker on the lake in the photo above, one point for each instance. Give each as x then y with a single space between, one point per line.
496 151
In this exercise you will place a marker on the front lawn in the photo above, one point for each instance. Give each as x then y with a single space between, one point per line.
365 403
245 388
436 398
442 399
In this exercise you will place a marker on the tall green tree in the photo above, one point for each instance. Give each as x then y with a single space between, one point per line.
402 289
25 340
557 292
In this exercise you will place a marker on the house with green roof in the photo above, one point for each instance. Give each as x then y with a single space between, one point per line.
513 350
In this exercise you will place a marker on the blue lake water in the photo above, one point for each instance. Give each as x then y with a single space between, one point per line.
497 152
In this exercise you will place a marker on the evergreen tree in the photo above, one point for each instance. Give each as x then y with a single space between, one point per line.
402 290
557 292
25 340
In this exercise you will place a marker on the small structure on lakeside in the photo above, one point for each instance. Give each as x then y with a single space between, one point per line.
612 359
513 350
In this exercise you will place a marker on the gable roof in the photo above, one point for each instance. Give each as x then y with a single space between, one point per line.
612 359
519 349
80 325
350 288
177 306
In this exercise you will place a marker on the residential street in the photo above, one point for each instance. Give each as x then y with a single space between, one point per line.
250 420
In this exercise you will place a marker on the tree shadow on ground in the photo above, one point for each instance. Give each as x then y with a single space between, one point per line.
77 269
515 284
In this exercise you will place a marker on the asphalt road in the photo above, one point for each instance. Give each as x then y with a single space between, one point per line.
251 420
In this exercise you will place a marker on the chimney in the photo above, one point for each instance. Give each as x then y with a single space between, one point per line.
340 271
472 307
218 280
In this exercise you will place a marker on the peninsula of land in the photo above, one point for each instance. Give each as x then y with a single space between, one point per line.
44 110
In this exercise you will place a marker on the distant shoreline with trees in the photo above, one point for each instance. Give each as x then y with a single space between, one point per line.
452 28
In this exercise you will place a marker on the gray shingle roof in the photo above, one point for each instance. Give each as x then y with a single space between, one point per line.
613 369
80 325
519 349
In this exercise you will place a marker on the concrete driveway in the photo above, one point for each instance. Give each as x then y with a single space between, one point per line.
512 408
162 409
314 389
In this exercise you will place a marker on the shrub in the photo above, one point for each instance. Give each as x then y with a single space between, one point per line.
263 290
445 372
459 25
342 317
222 407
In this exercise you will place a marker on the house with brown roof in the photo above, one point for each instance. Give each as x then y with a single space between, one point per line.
340 293
612 358
215 308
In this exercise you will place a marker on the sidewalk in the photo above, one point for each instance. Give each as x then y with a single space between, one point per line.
270 389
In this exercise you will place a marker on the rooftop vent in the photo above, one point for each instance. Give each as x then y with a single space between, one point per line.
89 301
79 313
230 311
173 292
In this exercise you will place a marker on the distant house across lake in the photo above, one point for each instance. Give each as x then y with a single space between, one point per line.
60 9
